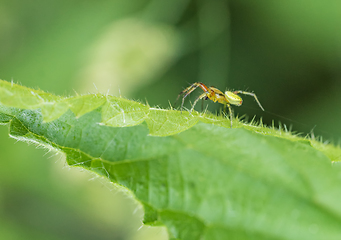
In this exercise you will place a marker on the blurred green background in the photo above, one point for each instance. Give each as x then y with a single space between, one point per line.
288 52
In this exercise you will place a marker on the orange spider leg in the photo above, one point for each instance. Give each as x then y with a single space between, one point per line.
190 89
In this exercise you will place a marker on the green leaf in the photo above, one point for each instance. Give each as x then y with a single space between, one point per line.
120 112
192 173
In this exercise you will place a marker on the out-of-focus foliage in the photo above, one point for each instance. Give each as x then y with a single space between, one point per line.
288 52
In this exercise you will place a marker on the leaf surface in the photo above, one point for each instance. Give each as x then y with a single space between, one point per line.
192 173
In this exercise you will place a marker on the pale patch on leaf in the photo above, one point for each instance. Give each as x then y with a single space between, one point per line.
120 112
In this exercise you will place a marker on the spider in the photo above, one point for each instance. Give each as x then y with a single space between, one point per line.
228 98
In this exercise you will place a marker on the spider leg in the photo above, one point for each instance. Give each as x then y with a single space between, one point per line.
189 90
196 100
202 103
230 112
250 94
